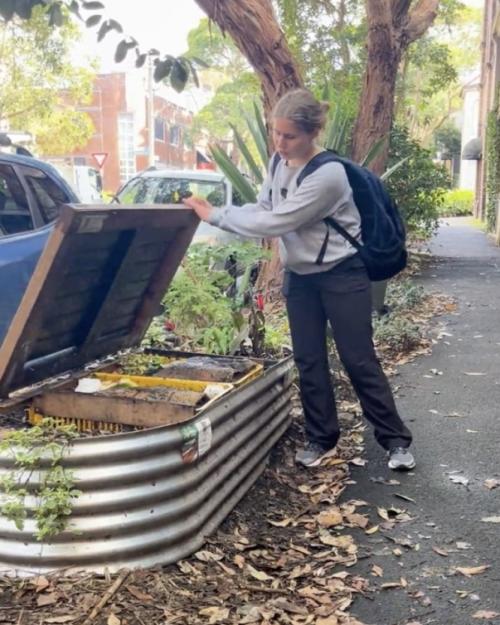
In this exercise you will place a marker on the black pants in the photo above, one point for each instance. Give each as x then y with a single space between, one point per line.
341 296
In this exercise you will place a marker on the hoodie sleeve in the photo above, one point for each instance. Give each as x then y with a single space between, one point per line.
319 196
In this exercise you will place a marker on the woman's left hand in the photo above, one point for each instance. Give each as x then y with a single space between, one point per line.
202 207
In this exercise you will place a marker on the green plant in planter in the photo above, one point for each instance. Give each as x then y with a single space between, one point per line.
39 475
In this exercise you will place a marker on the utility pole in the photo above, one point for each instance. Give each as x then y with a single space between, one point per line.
151 115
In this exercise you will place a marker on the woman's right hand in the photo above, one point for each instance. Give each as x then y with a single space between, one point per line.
202 207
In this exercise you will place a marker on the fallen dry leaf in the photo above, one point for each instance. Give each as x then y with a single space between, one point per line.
490 484
441 552
377 571
215 614
47 599
330 620
330 517
239 561
358 520
208 556
472 570
113 619
485 614
260 575
40 583
138 594
390 585
64 618
459 479
491 519
474 373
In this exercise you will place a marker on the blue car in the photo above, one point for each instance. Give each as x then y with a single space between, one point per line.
31 196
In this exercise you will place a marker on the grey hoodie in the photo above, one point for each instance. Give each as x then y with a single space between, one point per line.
295 215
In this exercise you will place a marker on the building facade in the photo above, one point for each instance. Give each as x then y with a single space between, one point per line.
119 145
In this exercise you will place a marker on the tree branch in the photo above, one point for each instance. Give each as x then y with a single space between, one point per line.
400 9
421 18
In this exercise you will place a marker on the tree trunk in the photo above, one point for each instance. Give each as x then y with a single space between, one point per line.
255 30
392 27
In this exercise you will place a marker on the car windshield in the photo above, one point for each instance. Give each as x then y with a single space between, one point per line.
171 191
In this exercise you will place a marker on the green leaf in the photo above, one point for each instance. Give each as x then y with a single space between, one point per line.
103 30
260 122
93 20
121 51
162 69
7 9
199 61
256 170
260 141
93 6
388 173
25 7
55 15
74 7
235 177
115 25
194 73
179 75
141 59
374 151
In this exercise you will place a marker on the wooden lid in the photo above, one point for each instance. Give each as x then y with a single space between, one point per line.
97 285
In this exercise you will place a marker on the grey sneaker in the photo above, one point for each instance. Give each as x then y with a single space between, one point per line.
401 459
311 455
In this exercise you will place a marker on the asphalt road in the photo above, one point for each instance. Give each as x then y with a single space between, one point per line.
450 399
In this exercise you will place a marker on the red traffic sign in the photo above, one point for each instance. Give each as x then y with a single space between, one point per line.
100 158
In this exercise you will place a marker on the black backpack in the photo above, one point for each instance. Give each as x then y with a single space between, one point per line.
383 249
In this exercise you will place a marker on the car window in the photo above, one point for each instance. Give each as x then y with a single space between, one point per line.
14 208
171 191
48 195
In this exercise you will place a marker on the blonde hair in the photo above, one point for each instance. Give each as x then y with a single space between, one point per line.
301 107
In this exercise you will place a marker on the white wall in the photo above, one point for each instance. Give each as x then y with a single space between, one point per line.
468 169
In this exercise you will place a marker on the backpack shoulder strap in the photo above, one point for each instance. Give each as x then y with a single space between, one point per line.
274 163
317 161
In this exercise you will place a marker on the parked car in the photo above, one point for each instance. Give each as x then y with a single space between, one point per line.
170 186
31 194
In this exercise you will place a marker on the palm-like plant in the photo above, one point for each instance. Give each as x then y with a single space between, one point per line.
256 159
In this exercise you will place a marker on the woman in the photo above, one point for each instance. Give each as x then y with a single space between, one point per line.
337 290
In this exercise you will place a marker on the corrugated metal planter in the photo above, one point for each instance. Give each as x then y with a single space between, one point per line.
150 496
141 504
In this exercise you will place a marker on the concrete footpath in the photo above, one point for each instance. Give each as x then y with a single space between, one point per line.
450 400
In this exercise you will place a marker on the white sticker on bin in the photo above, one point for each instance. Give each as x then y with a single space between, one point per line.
204 428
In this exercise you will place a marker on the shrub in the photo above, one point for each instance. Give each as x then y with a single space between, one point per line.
210 299
418 186
457 202
397 333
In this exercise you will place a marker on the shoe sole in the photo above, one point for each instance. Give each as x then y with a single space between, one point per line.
402 467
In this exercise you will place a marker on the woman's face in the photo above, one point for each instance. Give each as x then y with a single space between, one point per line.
290 141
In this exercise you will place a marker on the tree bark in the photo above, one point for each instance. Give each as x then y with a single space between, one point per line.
255 30
392 27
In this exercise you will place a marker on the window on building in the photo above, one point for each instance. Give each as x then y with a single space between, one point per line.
126 152
159 129
175 135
